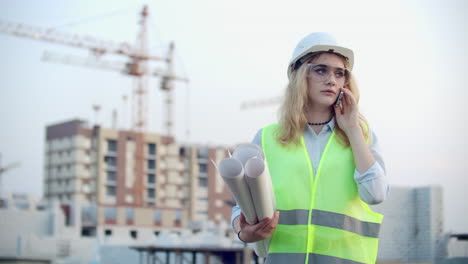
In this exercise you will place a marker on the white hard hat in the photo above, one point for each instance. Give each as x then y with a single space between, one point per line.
317 42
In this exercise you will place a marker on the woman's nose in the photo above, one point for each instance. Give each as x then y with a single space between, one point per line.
331 79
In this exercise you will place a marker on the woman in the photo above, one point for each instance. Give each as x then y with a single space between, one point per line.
324 164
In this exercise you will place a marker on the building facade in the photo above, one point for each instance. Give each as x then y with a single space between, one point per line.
128 182
412 230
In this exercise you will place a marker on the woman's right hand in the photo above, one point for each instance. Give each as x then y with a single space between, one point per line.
258 231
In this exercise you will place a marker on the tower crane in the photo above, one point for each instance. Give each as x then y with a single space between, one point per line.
137 66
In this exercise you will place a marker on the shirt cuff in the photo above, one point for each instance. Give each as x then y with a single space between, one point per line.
372 184
235 213
373 172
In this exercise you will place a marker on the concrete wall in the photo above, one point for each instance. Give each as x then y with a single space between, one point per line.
17 223
33 234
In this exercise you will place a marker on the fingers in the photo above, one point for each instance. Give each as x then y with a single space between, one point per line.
256 232
243 221
348 105
338 110
346 100
270 225
276 216
260 230
275 219
349 96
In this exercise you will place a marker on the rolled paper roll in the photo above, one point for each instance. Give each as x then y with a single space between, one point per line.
232 172
253 191
244 152
260 187
259 182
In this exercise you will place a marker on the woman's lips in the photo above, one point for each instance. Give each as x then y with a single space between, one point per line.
328 92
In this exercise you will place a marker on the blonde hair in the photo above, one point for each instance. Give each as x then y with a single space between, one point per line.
292 120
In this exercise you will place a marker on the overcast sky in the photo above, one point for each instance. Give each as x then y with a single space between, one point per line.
410 61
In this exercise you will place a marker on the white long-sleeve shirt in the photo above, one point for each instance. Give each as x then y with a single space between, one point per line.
372 184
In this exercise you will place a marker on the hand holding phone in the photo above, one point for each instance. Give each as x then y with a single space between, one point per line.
340 97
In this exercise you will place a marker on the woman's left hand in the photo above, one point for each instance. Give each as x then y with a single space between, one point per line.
347 116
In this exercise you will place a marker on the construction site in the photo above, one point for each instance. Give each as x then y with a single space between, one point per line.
119 192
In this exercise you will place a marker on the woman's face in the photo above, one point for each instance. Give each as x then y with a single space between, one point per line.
326 74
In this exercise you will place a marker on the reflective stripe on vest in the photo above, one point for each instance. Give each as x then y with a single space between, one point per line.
322 218
330 219
281 258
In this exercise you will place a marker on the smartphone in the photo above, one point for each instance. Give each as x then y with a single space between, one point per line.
340 97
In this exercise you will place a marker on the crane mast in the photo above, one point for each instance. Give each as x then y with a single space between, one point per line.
138 66
140 89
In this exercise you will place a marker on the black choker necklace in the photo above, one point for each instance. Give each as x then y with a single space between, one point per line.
319 124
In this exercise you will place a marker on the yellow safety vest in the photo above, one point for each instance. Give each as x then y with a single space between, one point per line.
322 218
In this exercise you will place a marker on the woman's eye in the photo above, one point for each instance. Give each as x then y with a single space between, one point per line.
339 74
321 71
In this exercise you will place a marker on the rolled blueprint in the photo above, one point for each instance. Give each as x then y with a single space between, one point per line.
232 171
260 187
253 191
244 152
